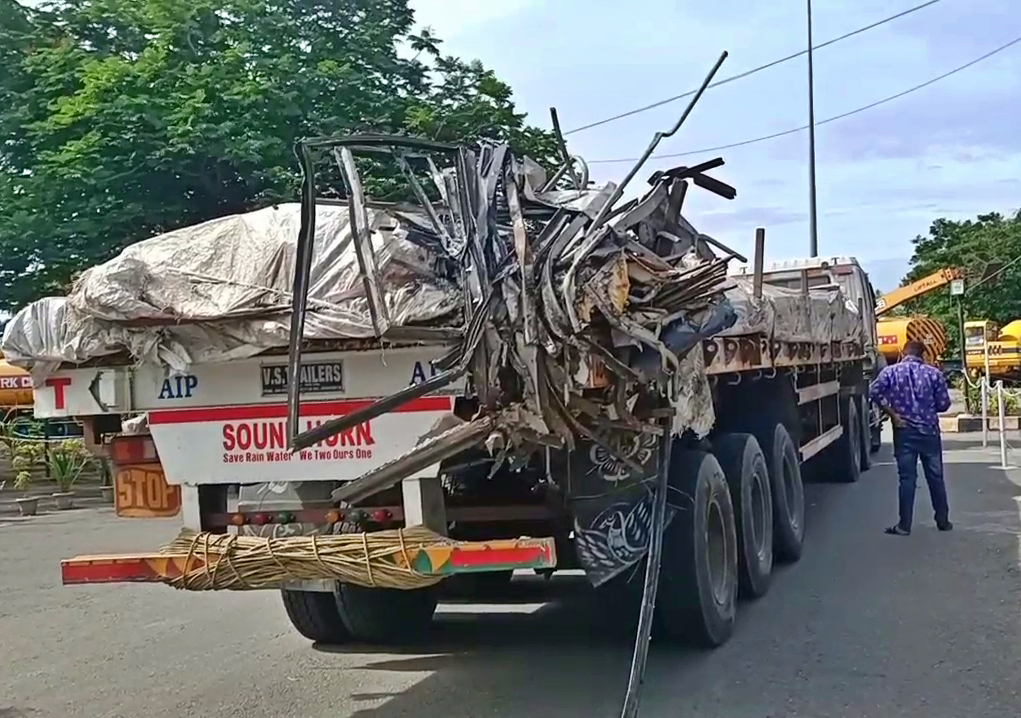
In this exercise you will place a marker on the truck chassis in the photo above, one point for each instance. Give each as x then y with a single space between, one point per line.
782 408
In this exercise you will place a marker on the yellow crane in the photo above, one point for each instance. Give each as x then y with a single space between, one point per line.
898 296
892 333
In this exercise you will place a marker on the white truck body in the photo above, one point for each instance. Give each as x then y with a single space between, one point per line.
224 423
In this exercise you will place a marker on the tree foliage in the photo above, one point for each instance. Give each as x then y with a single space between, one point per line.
121 119
973 246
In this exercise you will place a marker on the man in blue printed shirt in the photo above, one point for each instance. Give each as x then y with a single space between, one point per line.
913 394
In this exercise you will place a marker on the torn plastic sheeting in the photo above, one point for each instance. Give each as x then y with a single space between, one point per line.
221 290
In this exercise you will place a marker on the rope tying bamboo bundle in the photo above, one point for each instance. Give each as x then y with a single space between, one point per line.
381 559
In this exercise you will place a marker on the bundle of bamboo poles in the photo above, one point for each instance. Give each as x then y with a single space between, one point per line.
382 559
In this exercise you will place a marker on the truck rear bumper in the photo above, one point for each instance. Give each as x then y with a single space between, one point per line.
438 559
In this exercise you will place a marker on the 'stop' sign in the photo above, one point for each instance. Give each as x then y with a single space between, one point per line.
316 377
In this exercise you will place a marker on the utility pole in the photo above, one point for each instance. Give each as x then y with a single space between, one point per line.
963 352
813 229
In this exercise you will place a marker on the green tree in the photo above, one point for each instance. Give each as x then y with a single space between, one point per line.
975 246
122 119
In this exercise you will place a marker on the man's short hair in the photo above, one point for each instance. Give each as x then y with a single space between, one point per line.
914 348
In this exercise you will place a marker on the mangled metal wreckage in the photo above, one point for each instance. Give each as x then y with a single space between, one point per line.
577 325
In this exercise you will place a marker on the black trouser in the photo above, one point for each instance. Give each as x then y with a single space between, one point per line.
910 445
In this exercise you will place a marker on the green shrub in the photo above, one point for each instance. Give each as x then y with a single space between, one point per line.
1010 400
66 461
25 455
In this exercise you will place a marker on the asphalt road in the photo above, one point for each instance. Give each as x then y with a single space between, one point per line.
865 625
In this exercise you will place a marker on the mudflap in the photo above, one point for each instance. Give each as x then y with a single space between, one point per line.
612 504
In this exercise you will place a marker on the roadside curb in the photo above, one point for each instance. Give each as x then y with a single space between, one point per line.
965 423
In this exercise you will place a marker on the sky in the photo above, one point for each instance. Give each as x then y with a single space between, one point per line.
952 149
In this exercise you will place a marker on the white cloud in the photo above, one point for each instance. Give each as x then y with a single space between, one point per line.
883 175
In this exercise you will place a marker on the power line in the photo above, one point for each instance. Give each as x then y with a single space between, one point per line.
841 116
743 75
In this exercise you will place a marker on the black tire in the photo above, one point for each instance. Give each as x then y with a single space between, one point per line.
844 456
866 433
314 614
788 494
744 465
697 598
385 615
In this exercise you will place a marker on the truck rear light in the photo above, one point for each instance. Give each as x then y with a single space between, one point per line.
237 519
284 518
260 519
132 450
380 515
333 517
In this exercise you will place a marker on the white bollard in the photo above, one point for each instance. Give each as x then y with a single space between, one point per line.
984 387
1003 432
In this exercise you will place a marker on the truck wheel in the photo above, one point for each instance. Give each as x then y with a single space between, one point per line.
788 494
844 456
866 433
744 465
697 598
385 615
315 616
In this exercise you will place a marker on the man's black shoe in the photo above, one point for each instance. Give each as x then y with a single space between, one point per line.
945 526
897 531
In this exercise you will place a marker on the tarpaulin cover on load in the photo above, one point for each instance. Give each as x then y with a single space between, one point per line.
221 290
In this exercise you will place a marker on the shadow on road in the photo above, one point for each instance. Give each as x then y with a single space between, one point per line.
570 654
865 624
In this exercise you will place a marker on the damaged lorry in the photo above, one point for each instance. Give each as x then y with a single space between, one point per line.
488 367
